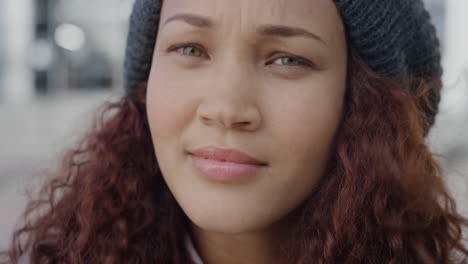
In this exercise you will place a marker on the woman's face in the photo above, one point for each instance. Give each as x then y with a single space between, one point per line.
264 77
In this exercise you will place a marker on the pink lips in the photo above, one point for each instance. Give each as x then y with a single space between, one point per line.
225 164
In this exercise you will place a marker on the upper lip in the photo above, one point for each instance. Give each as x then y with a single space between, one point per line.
222 154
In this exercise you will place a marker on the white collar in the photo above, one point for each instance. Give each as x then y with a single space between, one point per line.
192 251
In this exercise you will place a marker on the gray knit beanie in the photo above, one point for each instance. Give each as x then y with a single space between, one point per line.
395 37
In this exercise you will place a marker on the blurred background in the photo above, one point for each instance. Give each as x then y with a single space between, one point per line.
60 59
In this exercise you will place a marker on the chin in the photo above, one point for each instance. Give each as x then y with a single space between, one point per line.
229 223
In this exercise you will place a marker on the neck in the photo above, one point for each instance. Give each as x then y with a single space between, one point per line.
262 246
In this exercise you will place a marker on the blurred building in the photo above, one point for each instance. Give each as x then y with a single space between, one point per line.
449 135
16 31
55 45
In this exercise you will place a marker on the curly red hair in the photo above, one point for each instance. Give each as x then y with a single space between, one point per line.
382 200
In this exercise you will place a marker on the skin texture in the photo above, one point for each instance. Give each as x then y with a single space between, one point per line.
230 86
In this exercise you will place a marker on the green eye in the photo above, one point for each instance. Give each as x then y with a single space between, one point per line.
291 61
190 50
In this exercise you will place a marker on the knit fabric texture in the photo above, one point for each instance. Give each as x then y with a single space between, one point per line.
395 37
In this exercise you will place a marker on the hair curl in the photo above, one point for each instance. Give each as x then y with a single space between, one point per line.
382 200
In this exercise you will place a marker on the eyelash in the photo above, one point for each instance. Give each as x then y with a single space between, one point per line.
302 62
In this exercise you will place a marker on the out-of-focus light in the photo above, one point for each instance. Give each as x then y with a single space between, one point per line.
69 37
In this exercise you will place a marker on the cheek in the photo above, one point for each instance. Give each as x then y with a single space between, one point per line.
308 128
303 129
160 121
169 111
168 107
166 114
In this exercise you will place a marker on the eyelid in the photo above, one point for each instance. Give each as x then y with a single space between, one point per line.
178 46
305 63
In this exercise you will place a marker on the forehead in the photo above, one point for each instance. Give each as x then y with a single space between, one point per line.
321 16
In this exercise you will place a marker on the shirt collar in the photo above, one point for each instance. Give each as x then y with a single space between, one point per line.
191 250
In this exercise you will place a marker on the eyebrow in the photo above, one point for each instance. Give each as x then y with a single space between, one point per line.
265 30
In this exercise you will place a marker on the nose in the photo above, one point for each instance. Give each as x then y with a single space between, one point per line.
230 100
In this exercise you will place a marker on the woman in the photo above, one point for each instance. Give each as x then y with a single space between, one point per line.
265 131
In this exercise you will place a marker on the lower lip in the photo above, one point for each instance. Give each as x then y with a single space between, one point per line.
224 171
